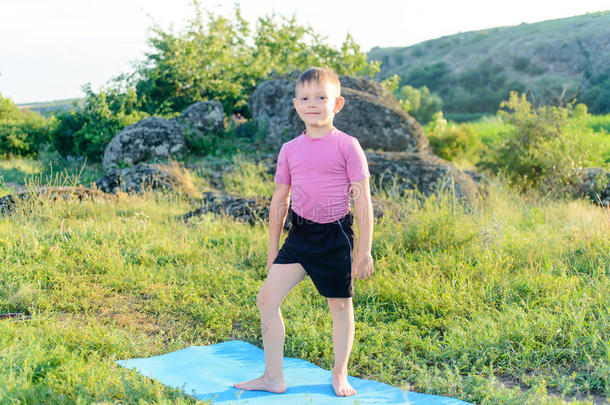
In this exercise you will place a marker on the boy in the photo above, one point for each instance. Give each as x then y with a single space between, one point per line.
320 166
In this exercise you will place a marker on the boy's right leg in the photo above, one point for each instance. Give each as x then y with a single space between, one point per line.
281 279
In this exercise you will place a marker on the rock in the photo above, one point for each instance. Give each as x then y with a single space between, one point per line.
424 172
205 116
593 183
157 139
371 114
251 210
152 139
476 176
137 179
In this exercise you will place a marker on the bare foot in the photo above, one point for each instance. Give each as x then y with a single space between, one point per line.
341 386
263 383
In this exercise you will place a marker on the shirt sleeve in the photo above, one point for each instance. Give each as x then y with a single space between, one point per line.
357 166
282 172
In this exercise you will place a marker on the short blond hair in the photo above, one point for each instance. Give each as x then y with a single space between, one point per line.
319 75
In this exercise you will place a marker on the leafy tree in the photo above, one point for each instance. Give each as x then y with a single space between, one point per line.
213 59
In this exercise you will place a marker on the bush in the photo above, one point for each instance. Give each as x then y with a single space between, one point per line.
419 103
22 132
87 131
543 148
454 141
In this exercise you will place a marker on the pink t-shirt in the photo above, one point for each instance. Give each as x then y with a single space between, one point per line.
321 171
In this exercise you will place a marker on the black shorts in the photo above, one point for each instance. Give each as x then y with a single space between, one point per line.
324 251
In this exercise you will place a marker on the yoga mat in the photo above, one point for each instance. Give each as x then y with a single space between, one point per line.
209 372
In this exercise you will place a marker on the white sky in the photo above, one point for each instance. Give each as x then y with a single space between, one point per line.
50 48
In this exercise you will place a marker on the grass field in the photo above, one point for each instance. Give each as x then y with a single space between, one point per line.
500 302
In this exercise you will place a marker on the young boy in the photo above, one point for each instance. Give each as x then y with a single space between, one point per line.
320 166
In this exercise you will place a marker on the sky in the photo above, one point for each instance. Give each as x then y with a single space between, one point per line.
50 48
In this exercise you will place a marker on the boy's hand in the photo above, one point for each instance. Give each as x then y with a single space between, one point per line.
362 266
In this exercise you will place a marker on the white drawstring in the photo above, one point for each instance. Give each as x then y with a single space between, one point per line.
348 242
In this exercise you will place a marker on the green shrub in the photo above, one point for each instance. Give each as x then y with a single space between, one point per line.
22 132
544 146
453 141
87 131
419 103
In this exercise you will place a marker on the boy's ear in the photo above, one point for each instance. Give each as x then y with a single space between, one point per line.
294 102
339 103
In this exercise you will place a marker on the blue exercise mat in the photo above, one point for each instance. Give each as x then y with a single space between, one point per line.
209 372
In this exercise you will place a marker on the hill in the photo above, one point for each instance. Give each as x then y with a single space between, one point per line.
554 61
46 108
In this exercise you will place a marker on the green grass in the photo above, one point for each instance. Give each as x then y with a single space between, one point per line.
600 123
466 300
50 169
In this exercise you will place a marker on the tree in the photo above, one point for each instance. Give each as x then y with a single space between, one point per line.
213 59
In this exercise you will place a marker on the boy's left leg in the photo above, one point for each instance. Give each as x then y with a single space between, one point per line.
342 311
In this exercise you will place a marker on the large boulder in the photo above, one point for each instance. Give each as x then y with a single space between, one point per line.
151 139
157 139
371 114
204 116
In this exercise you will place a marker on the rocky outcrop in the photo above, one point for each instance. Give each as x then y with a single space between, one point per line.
158 139
251 210
138 178
371 114
151 139
204 116
424 172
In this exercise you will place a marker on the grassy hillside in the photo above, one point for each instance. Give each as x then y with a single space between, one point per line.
474 71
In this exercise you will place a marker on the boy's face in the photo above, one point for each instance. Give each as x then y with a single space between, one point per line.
317 103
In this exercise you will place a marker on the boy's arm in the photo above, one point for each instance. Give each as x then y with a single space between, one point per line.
363 261
277 215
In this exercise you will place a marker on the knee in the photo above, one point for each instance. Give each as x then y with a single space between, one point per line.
265 300
339 306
